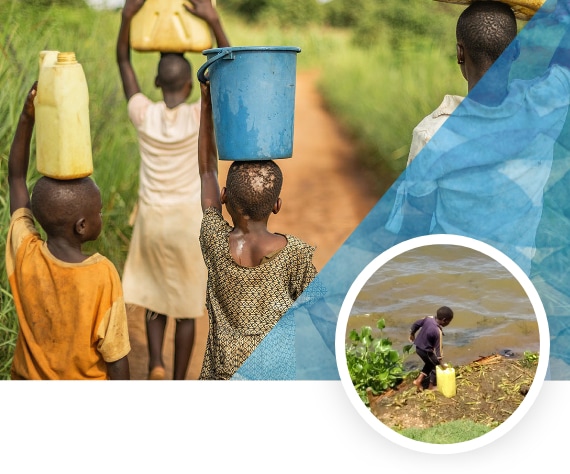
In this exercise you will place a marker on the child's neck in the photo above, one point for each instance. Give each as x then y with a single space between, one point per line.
174 99
250 241
494 91
62 249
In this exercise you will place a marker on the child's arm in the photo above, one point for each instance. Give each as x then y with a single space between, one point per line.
119 370
438 348
123 50
415 327
207 154
20 154
205 10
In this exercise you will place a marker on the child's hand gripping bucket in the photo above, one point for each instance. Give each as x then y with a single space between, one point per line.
253 100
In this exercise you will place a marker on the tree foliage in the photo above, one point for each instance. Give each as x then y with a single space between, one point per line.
368 19
281 12
67 3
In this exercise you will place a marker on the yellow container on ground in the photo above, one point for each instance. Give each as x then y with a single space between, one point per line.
63 134
166 26
446 381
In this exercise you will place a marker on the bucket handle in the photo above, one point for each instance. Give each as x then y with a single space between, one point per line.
202 71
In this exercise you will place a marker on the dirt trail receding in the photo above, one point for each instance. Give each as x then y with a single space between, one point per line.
325 196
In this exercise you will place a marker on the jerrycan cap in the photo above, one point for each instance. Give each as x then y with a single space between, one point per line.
66 58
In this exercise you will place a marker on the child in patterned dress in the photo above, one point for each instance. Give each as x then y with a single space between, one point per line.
254 276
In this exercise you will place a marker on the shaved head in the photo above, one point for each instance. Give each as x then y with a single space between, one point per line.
174 71
58 204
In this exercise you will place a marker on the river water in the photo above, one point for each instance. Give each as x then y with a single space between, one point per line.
492 311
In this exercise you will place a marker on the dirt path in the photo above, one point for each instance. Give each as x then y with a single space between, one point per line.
325 196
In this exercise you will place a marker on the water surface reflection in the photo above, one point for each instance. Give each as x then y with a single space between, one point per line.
492 310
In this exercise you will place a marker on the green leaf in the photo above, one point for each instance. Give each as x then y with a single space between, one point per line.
386 344
381 324
393 356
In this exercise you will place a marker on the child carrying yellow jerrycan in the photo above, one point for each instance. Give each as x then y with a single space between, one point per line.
446 380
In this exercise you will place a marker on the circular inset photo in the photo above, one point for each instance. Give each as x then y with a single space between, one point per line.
442 344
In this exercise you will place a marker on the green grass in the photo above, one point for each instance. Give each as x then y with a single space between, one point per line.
447 433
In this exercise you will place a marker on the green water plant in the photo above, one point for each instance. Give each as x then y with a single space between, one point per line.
529 359
372 361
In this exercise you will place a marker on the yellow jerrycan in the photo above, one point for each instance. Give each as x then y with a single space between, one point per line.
63 134
446 380
166 26
523 9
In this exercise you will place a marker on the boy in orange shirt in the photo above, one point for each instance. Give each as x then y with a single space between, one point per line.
71 313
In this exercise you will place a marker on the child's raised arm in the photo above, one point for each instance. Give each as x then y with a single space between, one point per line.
206 11
123 48
20 154
208 154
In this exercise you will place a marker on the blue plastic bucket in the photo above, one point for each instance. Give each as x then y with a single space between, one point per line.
253 100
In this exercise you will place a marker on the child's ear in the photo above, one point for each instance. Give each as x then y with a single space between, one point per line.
460 51
223 195
277 206
156 82
80 226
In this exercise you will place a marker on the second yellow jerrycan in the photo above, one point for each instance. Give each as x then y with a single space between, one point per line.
166 26
63 133
446 380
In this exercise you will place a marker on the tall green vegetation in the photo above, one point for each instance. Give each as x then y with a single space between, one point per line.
282 12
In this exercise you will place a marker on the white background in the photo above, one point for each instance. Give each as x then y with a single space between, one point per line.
192 426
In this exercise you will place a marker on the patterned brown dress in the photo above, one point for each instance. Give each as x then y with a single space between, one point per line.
244 303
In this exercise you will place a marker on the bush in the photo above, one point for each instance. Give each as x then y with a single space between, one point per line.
344 13
285 13
372 363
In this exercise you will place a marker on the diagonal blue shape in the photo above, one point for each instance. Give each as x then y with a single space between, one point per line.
514 157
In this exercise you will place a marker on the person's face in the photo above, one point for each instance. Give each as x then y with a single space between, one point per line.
444 323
